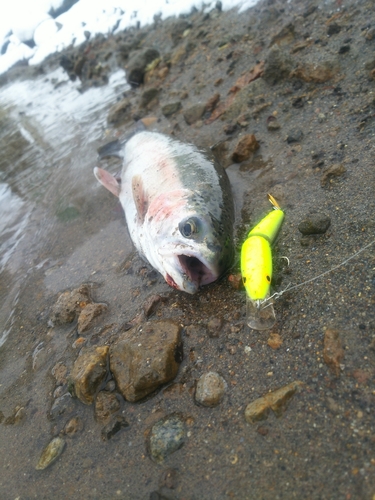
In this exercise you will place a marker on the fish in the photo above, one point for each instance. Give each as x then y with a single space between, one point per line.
178 206
256 268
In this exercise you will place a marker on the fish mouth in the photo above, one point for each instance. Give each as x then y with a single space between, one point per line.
196 270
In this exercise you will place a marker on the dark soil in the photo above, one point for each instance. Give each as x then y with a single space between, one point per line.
310 67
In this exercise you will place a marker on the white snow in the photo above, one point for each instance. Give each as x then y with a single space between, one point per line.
29 20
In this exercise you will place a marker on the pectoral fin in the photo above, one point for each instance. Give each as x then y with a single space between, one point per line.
140 197
107 180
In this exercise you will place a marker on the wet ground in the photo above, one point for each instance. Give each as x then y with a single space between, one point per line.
59 229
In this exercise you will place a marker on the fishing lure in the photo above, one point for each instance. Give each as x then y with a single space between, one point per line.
256 268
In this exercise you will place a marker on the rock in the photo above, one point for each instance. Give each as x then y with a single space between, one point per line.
194 113
179 27
148 96
333 171
113 427
62 404
146 357
59 371
106 404
73 426
120 113
272 123
294 135
151 303
88 314
278 65
51 453
244 148
70 304
89 371
344 49
169 479
19 414
275 341
212 103
136 67
314 223
257 410
276 401
166 437
317 73
171 108
214 327
333 353
236 281
333 29
210 389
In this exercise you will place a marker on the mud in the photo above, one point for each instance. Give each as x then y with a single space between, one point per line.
307 66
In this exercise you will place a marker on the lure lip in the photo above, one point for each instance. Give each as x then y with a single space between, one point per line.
260 314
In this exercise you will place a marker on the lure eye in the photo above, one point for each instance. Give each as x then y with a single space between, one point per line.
190 227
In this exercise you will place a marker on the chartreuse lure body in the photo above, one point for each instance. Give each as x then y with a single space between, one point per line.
256 268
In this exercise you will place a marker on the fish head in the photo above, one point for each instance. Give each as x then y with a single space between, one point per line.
187 247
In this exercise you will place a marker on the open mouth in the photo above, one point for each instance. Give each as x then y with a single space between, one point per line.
197 272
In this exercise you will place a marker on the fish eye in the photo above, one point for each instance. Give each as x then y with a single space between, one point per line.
189 227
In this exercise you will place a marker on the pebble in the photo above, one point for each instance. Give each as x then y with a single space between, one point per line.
136 67
113 427
294 135
214 327
272 123
169 479
317 73
148 96
276 401
59 371
146 357
333 171
333 353
166 437
120 113
62 404
73 426
194 113
210 389
244 148
51 453
88 315
314 223
171 108
333 29
106 404
151 303
278 65
89 371
275 341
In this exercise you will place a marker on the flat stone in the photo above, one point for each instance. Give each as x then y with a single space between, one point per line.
146 357
88 315
88 372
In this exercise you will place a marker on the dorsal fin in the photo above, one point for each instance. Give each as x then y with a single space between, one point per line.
107 180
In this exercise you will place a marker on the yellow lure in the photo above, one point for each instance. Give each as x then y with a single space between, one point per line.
256 255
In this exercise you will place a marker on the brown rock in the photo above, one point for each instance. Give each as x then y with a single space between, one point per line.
214 327
146 357
257 410
88 314
59 371
106 404
333 171
333 353
212 103
276 401
275 341
120 113
317 73
194 113
74 426
70 304
88 373
151 303
244 148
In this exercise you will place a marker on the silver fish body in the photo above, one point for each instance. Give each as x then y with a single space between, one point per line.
178 207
